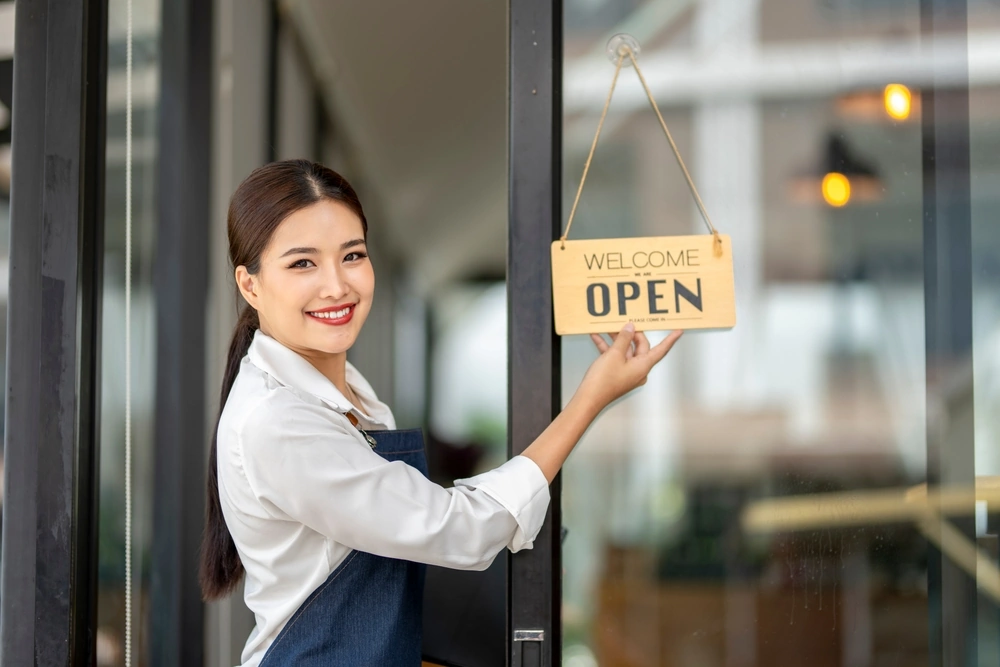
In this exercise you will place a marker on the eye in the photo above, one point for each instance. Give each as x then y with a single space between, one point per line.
301 264
355 256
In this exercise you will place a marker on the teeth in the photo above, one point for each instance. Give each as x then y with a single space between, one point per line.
333 314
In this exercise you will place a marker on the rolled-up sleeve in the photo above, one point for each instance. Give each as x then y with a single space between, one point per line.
520 487
303 465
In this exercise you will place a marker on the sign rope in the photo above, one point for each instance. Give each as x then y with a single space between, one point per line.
626 51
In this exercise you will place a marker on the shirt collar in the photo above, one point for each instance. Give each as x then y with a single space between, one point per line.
292 370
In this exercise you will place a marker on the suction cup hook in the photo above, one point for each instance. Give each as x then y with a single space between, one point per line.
617 47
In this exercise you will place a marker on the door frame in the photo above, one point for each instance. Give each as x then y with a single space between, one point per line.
48 582
534 592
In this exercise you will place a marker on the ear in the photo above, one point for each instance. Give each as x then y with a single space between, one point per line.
247 285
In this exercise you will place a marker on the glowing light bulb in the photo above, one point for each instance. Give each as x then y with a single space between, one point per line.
898 101
836 189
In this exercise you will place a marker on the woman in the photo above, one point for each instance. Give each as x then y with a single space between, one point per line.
312 492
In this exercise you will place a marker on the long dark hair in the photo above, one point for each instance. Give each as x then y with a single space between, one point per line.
268 195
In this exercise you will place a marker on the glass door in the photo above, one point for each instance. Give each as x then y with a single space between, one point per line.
816 486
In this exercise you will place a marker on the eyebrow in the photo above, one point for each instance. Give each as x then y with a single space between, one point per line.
313 251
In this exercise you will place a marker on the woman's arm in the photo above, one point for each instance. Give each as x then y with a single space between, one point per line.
303 462
622 367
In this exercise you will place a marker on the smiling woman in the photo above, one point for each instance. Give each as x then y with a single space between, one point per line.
265 199
314 285
313 494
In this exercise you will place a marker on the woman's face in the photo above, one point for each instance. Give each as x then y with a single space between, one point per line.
315 285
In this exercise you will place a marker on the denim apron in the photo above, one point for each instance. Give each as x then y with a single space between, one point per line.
368 611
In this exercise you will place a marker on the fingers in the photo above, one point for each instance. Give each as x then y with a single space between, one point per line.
629 352
632 343
623 341
661 349
641 343
600 343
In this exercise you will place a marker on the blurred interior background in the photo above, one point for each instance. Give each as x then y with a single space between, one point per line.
801 122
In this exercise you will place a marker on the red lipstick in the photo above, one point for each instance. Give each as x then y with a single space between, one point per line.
333 315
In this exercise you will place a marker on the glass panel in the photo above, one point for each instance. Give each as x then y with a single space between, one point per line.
111 573
752 504
984 117
468 416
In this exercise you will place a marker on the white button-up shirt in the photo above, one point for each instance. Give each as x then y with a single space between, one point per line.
301 488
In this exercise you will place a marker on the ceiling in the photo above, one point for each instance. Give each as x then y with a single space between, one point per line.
420 89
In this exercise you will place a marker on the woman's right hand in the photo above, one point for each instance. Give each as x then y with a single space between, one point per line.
623 365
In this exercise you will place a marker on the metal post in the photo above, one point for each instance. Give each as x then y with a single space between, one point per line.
181 279
536 55
948 322
49 567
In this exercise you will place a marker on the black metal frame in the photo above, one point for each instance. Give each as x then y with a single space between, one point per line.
49 583
534 354
181 276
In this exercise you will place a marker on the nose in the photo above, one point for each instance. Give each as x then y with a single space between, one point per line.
335 285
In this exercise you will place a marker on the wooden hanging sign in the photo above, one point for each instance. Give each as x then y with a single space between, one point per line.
665 282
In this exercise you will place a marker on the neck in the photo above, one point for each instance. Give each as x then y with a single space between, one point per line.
332 366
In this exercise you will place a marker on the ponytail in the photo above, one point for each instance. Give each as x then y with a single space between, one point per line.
266 197
220 568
